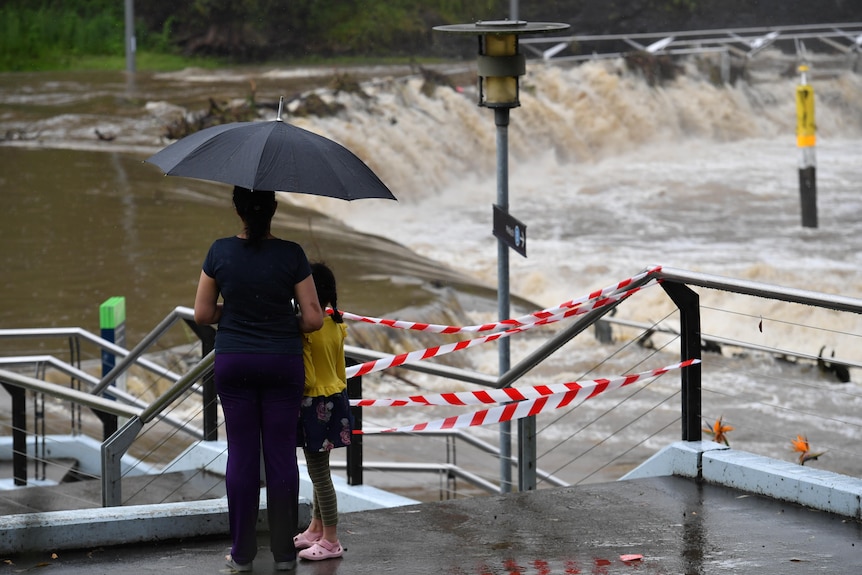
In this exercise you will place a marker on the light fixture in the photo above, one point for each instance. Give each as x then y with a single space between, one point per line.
500 64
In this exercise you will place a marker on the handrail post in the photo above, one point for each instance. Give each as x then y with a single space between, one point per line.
19 433
354 450
113 450
109 421
206 334
688 303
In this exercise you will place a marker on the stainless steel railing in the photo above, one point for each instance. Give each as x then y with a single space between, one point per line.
677 283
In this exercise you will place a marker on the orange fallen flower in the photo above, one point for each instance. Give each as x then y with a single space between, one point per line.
801 445
718 431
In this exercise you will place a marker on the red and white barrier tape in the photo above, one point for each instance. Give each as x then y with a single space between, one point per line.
537 400
523 320
400 359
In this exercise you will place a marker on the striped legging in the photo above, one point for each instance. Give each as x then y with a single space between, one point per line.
325 501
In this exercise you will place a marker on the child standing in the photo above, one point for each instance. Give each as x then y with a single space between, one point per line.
325 419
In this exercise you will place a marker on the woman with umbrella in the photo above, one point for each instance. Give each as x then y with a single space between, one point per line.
259 373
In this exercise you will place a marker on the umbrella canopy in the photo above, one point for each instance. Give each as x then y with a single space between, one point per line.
272 156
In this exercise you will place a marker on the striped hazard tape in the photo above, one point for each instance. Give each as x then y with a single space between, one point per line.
520 402
533 318
400 359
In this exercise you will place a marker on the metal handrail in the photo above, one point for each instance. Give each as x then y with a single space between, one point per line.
61 392
116 446
760 289
195 374
117 393
675 281
179 312
105 408
103 344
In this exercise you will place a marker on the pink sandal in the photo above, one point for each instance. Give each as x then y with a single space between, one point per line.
323 549
306 539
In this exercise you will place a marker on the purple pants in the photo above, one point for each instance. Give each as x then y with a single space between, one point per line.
260 396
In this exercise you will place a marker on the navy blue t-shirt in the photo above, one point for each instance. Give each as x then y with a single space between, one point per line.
257 286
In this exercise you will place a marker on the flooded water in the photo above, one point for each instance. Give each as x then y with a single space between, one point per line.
609 174
90 220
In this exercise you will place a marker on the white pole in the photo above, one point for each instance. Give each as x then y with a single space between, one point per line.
130 36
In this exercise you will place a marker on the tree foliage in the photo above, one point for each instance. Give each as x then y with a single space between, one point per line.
299 28
42 32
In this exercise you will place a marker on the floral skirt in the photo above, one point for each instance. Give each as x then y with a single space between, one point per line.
325 422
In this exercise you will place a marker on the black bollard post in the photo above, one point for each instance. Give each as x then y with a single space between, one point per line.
808 196
354 450
806 138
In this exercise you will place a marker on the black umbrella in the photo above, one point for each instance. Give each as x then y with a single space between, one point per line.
272 156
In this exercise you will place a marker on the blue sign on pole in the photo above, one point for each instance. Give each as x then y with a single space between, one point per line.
510 231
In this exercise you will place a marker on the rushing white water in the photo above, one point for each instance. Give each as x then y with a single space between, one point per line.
611 175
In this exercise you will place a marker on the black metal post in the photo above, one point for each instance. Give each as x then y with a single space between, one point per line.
688 303
354 450
210 399
109 423
19 433
808 196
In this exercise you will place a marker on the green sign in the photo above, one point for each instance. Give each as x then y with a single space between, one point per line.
112 313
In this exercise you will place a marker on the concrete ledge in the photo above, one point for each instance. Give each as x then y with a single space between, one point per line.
786 481
782 480
82 528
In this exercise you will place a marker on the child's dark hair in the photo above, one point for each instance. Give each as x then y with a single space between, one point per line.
324 282
256 208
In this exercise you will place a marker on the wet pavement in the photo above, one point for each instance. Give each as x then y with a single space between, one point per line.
672 525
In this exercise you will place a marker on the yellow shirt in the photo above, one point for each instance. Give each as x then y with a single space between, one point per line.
323 355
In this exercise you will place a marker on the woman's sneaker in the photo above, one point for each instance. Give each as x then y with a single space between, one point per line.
242 568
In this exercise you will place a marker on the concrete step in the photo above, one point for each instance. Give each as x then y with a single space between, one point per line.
137 490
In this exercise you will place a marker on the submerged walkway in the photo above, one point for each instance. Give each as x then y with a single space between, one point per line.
678 526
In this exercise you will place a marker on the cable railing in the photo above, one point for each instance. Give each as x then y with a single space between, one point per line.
595 440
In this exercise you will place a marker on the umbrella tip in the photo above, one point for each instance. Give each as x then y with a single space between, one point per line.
280 108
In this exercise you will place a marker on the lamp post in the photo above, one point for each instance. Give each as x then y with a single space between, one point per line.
131 48
500 64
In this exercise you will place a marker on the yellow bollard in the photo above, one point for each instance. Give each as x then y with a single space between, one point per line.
806 130
806 138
